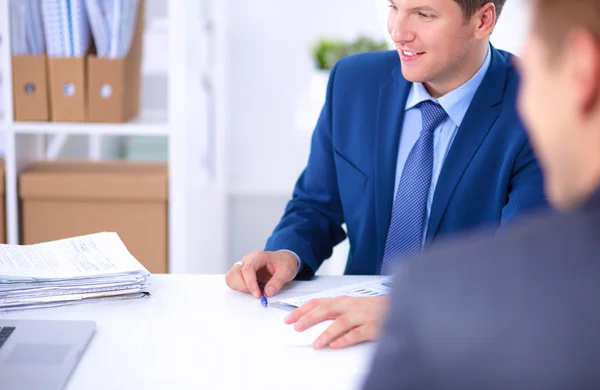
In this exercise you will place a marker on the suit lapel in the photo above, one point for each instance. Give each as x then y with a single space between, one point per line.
478 121
392 100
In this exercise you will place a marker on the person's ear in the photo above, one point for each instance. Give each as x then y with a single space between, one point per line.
485 20
583 59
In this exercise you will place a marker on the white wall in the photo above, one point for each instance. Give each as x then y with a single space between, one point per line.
512 26
270 66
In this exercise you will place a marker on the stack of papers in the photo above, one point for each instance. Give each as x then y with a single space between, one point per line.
90 268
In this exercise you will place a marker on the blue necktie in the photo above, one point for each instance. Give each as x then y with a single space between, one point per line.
405 232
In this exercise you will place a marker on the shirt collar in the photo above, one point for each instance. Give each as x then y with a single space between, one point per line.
456 102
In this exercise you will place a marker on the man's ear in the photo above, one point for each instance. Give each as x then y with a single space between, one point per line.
583 57
485 20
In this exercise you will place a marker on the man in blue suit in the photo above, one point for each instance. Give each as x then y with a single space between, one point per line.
518 310
411 146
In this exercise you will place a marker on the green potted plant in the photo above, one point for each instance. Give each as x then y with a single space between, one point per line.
327 52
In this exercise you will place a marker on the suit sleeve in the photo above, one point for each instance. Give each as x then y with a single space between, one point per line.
526 187
312 222
396 364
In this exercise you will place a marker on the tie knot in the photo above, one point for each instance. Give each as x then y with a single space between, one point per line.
433 115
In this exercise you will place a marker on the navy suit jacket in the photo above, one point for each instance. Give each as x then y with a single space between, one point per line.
489 177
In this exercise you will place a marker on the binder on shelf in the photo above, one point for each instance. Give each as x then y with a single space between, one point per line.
113 93
67 89
68 41
28 49
30 88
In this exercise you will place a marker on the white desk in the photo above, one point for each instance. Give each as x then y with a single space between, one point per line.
195 333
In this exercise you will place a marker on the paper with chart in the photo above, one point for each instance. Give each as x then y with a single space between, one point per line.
366 289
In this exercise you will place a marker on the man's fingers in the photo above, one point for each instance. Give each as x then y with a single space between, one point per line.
235 279
338 328
301 311
284 267
273 268
326 310
255 262
249 274
281 276
274 285
357 335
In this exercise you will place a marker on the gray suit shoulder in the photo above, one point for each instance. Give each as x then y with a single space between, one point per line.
484 311
546 235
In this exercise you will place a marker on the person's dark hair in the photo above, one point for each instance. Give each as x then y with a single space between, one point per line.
469 7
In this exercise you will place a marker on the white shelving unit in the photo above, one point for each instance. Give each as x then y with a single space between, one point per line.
187 45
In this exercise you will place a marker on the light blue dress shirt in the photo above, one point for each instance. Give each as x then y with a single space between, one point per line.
455 103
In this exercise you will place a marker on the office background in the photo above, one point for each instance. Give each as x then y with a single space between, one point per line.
249 69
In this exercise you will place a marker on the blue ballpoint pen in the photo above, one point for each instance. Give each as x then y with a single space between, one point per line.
263 299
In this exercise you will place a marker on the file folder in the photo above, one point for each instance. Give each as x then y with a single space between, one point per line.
35 28
113 25
114 83
67 28
30 88
18 19
98 12
79 29
67 89
54 15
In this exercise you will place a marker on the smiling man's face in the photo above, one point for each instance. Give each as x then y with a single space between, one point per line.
433 38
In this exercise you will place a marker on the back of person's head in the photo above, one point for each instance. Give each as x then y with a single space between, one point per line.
560 96
554 19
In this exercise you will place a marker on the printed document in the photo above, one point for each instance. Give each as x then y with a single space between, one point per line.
76 270
98 254
367 289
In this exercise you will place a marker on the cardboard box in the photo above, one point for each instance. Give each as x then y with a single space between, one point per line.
114 84
72 198
30 88
67 89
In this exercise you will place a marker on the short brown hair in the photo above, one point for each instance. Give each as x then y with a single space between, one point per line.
469 7
553 19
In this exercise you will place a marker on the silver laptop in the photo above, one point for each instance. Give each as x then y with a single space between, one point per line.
40 354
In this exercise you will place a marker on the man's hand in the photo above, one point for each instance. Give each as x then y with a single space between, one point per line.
273 269
356 319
